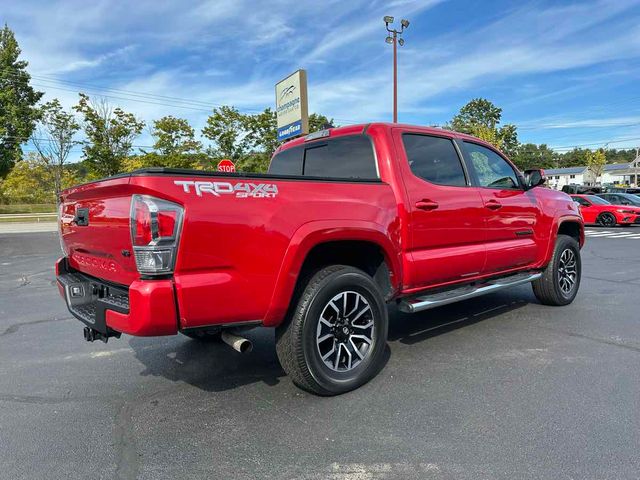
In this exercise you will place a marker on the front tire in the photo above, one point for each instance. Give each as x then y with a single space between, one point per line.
560 281
606 219
334 338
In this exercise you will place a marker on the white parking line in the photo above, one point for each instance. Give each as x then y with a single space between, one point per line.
612 234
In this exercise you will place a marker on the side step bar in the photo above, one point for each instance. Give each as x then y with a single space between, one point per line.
425 302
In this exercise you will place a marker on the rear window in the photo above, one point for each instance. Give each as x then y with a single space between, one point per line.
341 157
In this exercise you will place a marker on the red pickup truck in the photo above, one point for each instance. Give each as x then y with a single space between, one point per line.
347 221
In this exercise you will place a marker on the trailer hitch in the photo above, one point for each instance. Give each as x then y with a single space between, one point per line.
91 335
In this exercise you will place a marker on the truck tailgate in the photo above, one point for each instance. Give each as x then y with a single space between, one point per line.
95 231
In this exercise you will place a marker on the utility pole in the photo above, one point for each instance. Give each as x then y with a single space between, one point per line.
393 39
635 166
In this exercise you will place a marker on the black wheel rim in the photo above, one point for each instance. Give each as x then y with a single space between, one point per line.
607 220
346 331
567 271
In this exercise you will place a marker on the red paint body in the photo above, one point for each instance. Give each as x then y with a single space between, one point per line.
625 214
239 258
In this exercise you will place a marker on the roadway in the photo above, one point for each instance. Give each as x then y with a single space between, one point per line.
498 387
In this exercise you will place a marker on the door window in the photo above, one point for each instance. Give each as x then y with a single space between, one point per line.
492 170
434 159
581 201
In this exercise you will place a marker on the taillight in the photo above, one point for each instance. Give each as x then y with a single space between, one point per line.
155 230
63 247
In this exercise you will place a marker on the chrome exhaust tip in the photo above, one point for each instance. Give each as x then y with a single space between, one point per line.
238 343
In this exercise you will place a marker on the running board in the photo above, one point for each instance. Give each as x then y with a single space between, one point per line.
425 302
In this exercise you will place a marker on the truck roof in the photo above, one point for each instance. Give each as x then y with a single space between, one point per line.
363 127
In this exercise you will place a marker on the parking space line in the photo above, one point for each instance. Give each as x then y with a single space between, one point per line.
611 234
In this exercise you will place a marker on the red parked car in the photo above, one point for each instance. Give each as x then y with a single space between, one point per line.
599 211
347 221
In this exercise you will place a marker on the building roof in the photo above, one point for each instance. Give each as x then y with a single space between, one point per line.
610 167
564 171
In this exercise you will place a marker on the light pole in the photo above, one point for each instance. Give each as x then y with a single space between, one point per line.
393 38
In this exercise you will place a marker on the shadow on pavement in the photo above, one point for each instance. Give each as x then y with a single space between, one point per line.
414 328
215 367
211 366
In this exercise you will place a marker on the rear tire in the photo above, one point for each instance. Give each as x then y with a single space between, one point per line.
606 219
560 281
334 338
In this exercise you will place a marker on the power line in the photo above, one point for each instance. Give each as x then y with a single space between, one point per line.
596 143
143 97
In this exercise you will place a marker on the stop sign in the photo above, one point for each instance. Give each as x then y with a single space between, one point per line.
226 165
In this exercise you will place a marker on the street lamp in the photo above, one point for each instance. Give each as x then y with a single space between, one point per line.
393 38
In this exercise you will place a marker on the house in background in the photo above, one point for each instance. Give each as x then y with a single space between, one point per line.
614 173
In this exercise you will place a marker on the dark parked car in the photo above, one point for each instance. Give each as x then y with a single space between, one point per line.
581 190
632 190
621 198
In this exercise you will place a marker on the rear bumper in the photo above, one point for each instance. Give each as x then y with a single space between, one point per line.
145 308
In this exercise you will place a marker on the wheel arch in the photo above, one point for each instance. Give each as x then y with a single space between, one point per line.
566 225
359 244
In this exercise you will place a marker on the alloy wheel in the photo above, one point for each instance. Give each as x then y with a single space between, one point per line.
345 331
567 271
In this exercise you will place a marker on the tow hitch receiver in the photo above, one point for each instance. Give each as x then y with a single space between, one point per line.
91 335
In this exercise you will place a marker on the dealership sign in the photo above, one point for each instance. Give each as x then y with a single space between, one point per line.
291 106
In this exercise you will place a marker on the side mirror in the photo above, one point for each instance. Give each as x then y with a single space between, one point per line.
534 177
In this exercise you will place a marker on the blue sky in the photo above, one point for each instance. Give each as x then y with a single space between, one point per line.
567 73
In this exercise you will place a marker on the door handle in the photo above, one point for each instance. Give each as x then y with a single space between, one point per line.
493 205
426 205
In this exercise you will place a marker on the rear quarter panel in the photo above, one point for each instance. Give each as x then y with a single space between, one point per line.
232 249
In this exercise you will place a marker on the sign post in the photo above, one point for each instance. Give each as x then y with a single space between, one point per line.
292 110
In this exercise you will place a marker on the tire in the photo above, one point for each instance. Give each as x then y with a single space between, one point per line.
606 219
552 287
322 323
204 335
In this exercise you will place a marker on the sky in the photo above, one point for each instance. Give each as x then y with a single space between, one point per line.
566 73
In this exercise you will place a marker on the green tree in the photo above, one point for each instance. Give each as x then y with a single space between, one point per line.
481 118
478 111
574 158
319 122
262 132
174 136
110 134
620 156
18 111
248 140
509 137
596 162
530 155
30 181
197 161
226 128
54 139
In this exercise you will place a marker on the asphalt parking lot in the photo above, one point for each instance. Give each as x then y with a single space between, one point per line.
499 387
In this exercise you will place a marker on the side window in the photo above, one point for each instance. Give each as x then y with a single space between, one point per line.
341 157
434 159
493 171
287 162
581 201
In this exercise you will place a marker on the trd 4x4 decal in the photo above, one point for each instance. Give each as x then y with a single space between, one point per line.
240 190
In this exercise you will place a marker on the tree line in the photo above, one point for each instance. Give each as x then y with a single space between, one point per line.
107 136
